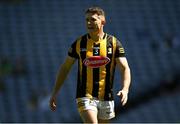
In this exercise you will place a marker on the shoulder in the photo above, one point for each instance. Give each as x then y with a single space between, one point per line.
82 37
112 37
109 36
78 39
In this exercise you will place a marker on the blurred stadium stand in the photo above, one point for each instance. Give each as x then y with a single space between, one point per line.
40 32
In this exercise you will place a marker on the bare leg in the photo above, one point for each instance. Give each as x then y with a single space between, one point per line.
89 116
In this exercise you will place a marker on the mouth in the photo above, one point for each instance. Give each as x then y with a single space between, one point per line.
90 27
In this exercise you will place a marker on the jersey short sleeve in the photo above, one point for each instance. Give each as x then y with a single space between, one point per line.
72 50
119 50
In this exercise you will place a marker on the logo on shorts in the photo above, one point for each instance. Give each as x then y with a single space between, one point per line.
96 61
80 104
108 112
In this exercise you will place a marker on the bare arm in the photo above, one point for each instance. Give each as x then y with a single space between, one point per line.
126 78
61 76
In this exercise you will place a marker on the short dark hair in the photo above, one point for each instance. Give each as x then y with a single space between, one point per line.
95 10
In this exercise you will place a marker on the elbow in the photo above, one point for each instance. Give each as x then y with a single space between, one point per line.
128 68
125 68
64 67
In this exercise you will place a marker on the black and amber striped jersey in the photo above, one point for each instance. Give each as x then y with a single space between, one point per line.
96 65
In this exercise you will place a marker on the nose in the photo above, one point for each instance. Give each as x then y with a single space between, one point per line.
88 22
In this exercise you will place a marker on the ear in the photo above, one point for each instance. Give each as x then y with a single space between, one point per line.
102 19
103 22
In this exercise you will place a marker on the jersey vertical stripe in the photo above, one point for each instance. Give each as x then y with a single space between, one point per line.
102 74
108 81
83 82
113 64
96 72
89 75
79 78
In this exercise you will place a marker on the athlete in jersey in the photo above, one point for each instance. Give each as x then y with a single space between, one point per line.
97 53
96 65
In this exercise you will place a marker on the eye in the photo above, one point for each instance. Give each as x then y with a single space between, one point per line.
90 19
87 20
93 19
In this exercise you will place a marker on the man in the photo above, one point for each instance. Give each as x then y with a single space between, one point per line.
97 54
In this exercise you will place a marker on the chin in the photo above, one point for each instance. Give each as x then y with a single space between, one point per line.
93 31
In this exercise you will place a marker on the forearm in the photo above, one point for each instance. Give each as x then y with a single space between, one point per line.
125 73
60 78
126 78
62 74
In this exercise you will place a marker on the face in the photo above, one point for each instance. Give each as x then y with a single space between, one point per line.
94 22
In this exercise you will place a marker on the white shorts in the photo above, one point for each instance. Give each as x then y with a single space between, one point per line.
104 109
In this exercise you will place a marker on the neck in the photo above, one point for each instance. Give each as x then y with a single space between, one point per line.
96 36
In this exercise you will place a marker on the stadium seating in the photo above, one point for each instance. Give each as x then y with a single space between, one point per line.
41 32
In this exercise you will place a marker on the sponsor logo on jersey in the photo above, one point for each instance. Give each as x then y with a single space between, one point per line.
96 61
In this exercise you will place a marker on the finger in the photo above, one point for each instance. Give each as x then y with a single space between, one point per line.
123 97
52 104
124 101
119 93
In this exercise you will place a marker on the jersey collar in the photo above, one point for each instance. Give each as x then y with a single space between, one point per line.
89 37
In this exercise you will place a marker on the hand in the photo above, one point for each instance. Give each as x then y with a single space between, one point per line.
52 103
124 96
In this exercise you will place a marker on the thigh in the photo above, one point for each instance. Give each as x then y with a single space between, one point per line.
87 109
89 116
106 110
